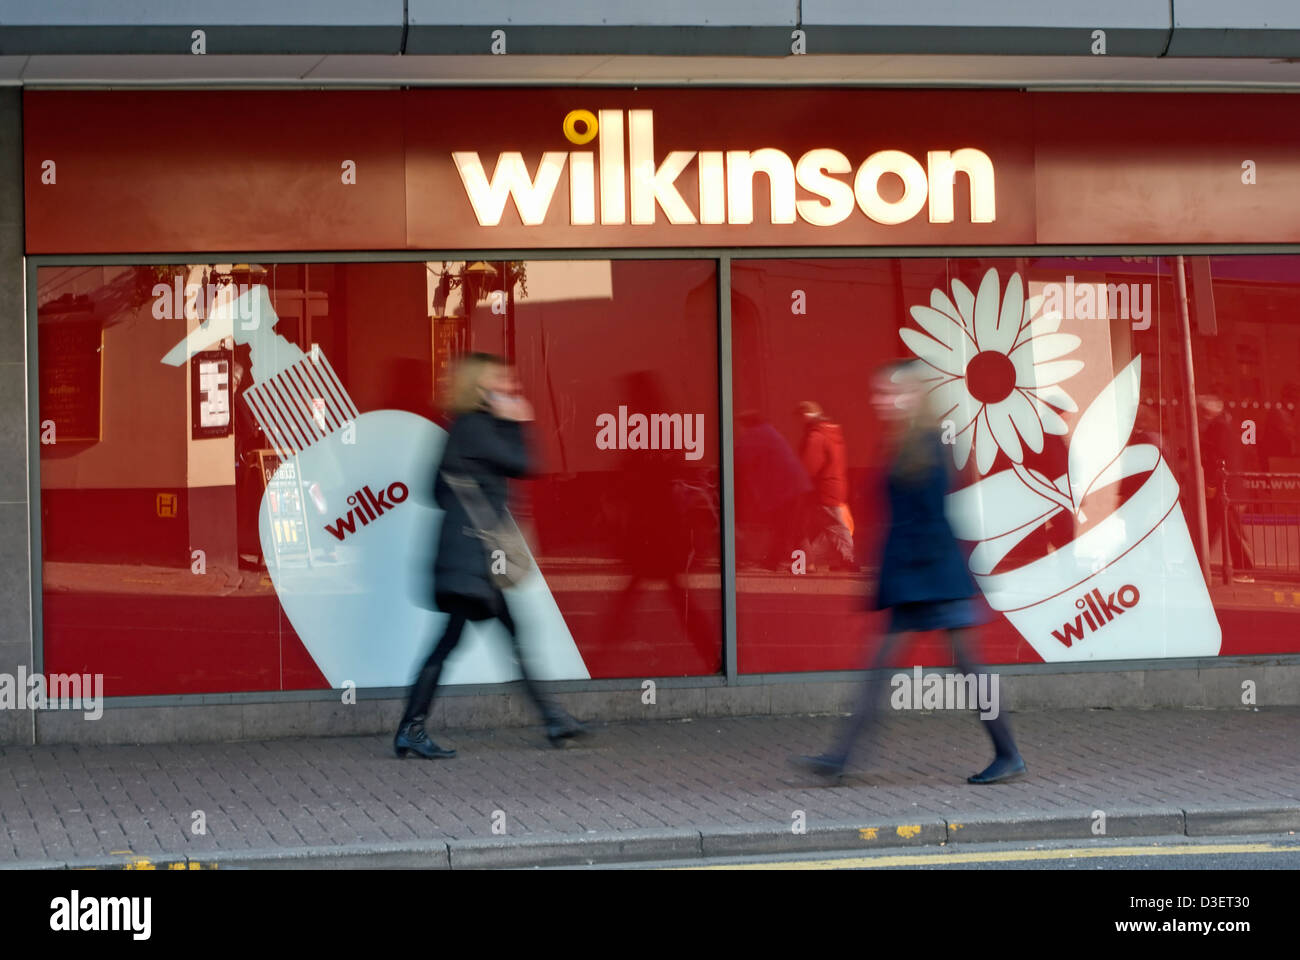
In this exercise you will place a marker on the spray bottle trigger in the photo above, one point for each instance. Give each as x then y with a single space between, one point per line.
250 319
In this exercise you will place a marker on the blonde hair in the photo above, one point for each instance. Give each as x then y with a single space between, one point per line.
465 380
916 449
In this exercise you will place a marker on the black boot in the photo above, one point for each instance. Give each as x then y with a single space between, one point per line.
824 765
560 727
1002 769
411 736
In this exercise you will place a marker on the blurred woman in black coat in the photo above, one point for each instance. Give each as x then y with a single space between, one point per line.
486 444
923 581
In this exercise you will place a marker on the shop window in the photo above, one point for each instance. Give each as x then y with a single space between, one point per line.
1167 466
285 541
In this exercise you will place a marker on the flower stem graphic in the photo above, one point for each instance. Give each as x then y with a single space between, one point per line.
1044 489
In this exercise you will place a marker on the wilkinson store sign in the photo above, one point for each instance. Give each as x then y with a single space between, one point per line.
616 178
535 168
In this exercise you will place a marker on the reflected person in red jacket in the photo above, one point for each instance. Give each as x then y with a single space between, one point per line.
823 454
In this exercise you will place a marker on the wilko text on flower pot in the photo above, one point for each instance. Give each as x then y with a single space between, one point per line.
1097 612
367 506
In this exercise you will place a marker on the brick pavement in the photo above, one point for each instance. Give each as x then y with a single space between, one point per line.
66 802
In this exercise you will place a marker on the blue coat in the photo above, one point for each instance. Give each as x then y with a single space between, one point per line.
921 561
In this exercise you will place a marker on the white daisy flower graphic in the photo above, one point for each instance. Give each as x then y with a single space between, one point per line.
997 368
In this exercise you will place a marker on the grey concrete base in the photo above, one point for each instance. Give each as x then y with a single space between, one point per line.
668 844
1082 825
390 856
1212 822
629 845
33 865
167 861
1024 688
819 837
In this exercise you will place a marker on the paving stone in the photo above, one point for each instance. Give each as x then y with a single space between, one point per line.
727 779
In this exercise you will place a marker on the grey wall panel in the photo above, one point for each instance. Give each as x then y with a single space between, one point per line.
605 13
1133 28
606 41
1059 14
234 26
985 41
323 13
1243 28
15 553
220 39
759 28
1239 14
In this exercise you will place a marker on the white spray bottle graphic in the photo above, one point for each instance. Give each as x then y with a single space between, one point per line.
351 589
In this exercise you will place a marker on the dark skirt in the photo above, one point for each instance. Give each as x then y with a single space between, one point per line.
934 615
473 609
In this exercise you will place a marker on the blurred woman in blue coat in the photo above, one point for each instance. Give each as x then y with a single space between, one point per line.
923 580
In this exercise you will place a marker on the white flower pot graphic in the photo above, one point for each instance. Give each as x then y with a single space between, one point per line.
1129 588
347 523
1129 585
359 614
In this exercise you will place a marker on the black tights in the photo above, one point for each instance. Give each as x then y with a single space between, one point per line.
872 693
460 613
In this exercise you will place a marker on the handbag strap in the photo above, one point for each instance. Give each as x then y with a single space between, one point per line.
472 499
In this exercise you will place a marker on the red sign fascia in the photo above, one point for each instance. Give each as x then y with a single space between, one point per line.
164 171
211 171
1167 168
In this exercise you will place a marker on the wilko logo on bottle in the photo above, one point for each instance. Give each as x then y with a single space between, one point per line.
1097 612
725 178
366 507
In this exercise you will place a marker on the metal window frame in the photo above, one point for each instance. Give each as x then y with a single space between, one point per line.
723 258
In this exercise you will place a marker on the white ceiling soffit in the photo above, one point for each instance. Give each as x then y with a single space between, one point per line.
843 70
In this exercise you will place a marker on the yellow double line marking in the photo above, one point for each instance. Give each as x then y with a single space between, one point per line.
999 856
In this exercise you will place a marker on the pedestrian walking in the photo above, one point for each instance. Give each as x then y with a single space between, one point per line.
485 447
923 580
830 524
1223 456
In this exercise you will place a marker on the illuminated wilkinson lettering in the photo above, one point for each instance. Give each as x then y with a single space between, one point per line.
532 196
609 176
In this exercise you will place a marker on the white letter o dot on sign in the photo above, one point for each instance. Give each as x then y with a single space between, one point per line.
867 182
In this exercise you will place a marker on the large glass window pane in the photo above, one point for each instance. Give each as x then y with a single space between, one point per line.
1085 409
236 464
1244 338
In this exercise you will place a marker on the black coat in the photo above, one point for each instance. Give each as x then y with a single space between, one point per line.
921 561
490 450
